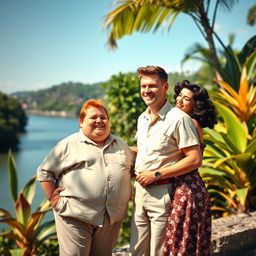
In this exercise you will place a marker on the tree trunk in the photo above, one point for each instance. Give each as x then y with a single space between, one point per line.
209 38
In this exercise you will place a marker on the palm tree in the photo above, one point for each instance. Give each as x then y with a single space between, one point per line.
232 62
145 15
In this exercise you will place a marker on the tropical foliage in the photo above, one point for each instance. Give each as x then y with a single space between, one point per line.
231 61
129 16
243 103
25 228
229 166
124 105
13 121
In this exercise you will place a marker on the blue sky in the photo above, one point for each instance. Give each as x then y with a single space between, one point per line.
48 42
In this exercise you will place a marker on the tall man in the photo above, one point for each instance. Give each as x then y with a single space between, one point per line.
168 146
92 172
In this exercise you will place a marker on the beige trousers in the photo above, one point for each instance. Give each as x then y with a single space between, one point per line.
150 213
77 238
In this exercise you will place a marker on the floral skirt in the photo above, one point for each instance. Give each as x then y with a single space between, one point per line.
188 231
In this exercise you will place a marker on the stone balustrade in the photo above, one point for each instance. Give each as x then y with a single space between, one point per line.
231 236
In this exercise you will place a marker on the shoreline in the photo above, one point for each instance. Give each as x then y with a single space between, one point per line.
50 113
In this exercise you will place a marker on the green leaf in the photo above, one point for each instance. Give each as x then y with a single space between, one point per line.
13 180
29 189
242 194
44 206
4 213
46 229
15 225
251 65
252 146
22 209
235 129
209 171
232 71
35 221
17 252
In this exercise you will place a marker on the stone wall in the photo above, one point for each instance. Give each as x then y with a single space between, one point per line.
231 236
234 235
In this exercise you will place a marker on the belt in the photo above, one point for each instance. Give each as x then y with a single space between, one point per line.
161 182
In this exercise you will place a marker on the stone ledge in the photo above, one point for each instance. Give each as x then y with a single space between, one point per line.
234 235
231 236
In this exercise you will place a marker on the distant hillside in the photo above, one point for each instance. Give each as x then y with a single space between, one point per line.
66 97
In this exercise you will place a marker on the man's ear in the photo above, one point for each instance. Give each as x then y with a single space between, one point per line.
166 85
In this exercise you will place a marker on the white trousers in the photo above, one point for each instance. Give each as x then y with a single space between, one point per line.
150 213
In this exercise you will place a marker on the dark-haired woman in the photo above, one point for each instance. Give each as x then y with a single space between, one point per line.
188 231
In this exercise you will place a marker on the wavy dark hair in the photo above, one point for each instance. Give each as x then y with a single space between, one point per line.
204 111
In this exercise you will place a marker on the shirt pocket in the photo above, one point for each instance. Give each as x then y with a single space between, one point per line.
160 143
119 159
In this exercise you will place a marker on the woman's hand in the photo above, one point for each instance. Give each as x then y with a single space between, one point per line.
55 196
145 178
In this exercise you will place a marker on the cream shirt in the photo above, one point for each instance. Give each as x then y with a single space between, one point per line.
95 179
159 141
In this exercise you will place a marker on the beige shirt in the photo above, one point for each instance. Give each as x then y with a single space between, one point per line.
95 179
159 141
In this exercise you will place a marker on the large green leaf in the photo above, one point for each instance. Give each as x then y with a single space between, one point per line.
235 129
44 206
232 71
18 252
14 225
22 209
35 221
251 66
29 189
13 180
46 229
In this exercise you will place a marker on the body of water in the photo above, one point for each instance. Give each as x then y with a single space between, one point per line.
42 134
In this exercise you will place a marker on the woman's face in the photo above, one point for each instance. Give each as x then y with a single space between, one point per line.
185 101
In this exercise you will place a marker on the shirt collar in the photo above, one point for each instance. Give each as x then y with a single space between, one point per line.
162 112
83 138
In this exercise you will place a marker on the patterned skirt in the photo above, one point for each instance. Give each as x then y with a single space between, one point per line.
188 231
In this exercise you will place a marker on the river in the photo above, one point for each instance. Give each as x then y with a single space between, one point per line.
42 134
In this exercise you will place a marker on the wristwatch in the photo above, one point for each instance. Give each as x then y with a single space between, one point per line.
158 175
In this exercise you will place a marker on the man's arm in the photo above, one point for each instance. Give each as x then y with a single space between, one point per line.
191 161
52 194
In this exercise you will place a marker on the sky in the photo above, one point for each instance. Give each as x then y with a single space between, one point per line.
49 42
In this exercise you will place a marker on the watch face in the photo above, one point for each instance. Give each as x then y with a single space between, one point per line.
157 174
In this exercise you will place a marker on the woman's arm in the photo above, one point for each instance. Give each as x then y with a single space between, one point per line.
191 161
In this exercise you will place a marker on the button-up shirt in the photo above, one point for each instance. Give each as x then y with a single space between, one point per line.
159 141
95 179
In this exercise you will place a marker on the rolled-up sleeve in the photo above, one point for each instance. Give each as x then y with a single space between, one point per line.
186 133
52 165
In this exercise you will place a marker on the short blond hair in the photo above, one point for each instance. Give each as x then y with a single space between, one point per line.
153 70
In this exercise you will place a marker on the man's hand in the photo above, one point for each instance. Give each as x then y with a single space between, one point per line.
55 196
145 178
